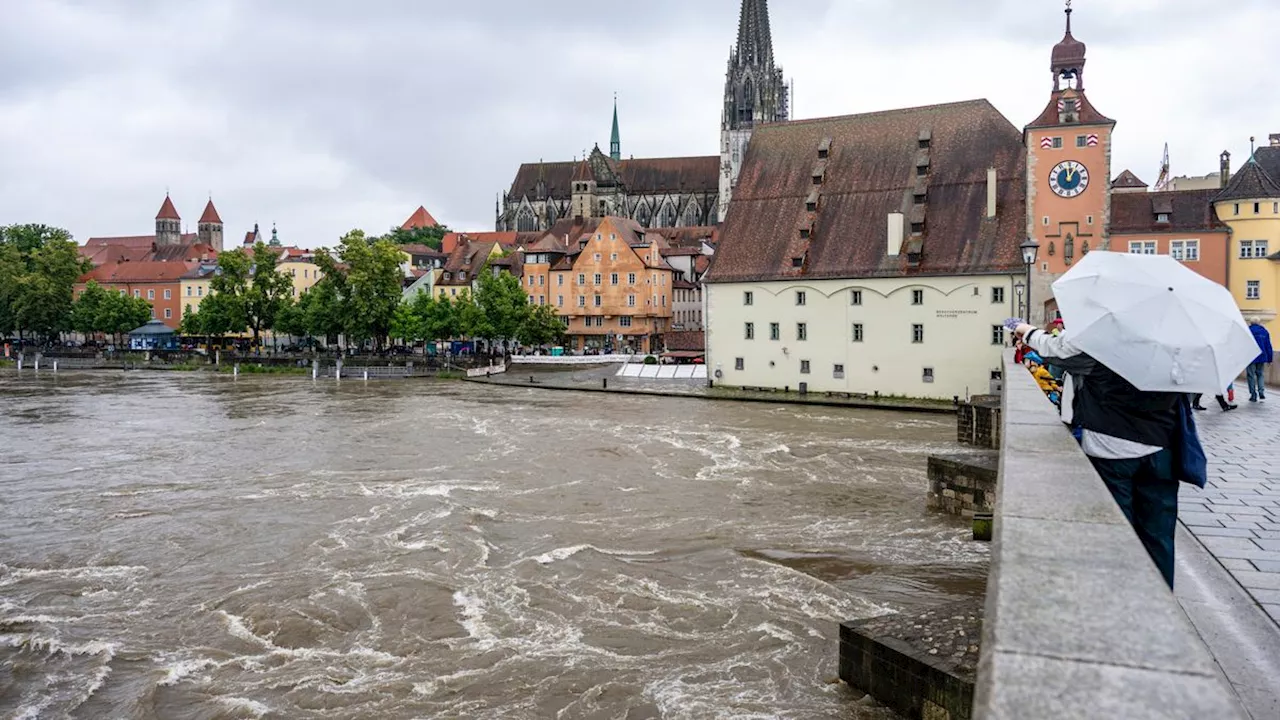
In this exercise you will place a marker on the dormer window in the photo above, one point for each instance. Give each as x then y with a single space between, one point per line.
804 233
824 149
795 263
1162 218
917 228
919 198
462 275
925 139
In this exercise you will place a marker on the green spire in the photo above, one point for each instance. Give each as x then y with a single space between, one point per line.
615 143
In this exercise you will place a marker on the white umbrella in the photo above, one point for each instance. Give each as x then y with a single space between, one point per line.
1155 322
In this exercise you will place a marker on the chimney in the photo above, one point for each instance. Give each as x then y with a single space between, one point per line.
991 192
1225 159
1275 139
896 225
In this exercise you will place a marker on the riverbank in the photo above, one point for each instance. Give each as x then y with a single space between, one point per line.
603 379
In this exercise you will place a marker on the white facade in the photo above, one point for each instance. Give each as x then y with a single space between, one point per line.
733 148
928 337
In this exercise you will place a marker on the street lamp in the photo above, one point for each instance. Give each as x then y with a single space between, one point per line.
1019 288
1029 250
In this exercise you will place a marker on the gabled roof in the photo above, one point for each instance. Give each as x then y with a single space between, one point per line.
452 240
210 214
468 257
1086 114
1125 180
138 272
1188 211
419 219
872 170
641 176
191 251
685 340
1258 178
167 210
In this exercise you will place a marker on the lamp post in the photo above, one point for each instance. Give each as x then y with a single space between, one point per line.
1029 250
1019 288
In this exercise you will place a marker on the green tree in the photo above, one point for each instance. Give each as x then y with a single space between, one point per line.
269 290
292 318
368 282
432 237
470 319
220 314
230 285
322 309
119 313
39 267
543 327
88 308
504 303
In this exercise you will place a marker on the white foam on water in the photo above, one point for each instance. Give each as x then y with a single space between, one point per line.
183 669
564 553
473 612
10 575
257 708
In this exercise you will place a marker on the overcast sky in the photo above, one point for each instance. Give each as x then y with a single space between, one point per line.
325 115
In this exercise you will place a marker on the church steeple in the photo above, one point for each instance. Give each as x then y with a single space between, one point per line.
615 141
755 93
1067 61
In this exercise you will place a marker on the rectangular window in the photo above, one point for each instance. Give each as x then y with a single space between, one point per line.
1253 290
631 301
559 301
582 301
838 372
137 293
614 256
597 301
188 291
542 280
917 297
560 280
800 297
1253 249
582 278
997 295
1088 219
1237 208
997 335
749 331
168 313
738 363
928 375
775 331
1080 141
855 297
1257 208
802 331
1057 143
1138 247
597 256
596 279
199 291
168 295
804 367
857 332
613 279
664 299
151 294
631 278
917 334
1259 248
624 321
748 298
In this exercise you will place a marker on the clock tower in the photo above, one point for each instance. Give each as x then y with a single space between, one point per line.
1068 173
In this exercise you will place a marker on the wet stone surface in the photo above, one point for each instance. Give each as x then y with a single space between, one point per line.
948 635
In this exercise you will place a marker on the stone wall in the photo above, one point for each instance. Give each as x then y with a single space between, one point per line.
978 422
962 484
1078 621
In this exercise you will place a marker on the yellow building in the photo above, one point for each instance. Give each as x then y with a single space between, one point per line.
194 287
301 267
1250 206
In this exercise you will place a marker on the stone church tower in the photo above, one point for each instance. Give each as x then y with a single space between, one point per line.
209 230
754 93
168 224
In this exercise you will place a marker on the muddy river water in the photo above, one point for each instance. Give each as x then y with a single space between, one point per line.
184 546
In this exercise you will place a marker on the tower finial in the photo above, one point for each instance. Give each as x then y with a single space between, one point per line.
1068 11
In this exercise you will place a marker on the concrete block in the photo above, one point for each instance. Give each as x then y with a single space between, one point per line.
1073 491
1268 544
1257 580
1205 532
1192 519
1086 592
1257 565
1017 687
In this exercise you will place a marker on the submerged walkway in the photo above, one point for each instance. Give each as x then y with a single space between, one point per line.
1228 574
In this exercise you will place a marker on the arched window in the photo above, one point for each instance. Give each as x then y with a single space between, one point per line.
525 221
692 214
643 216
747 101
667 216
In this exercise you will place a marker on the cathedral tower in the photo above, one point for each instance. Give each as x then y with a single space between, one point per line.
168 224
1068 172
209 230
754 93
615 141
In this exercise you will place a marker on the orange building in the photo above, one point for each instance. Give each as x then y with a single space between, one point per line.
1180 224
157 282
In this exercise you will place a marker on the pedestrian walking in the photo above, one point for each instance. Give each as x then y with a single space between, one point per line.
1257 370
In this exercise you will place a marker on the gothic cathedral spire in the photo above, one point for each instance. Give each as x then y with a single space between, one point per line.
615 142
754 93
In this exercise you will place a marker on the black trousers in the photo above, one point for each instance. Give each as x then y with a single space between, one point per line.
1222 401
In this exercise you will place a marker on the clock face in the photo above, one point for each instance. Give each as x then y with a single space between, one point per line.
1069 178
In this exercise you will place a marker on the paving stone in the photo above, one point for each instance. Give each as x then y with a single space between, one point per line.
1273 611
1221 544
1235 563
1240 524
1206 532
1257 580
1200 519
1235 510
1268 544
1267 597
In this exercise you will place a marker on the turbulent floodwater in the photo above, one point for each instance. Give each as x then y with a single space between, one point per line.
183 546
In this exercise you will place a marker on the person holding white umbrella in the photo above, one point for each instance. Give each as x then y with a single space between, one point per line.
1143 332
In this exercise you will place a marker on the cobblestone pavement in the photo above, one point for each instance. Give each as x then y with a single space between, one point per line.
1237 516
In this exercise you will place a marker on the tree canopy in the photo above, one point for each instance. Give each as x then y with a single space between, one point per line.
432 237
39 267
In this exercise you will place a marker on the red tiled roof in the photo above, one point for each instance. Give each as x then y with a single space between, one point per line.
210 214
1258 178
1127 179
452 240
191 251
872 171
685 340
469 257
692 236
1188 210
419 219
138 272
167 210
1086 113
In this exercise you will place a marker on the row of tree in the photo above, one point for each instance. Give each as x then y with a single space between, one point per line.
39 266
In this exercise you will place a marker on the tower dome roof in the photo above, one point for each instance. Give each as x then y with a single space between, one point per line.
1069 53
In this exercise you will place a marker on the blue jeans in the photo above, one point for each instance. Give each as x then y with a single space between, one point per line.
1147 494
1257 372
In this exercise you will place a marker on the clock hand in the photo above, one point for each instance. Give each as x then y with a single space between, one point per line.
1070 173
